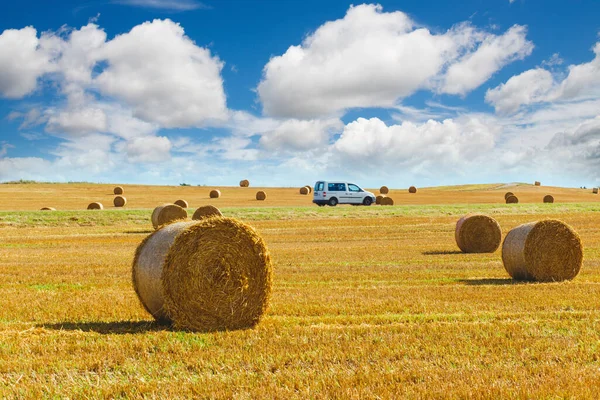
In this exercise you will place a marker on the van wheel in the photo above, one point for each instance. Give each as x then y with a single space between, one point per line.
367 201
333 202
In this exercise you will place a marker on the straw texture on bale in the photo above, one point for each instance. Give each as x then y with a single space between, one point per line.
512 199
119 201
244 183
537 183
215 194
261 195
47 209
548 198
478 233
207 275
95 206
384 190
118 190
206 212
386 201
167 214
182 203
412 189
507 195
379 198
544 251
303 190
595 190
310 189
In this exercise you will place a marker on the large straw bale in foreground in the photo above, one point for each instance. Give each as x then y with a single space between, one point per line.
206 212
412 189
215 194
261 195
206 275
386 201
166 214
512 199
244 183
119 201
384 190
118 190
548 198
507 195
95 206
478 233
544 251
182 203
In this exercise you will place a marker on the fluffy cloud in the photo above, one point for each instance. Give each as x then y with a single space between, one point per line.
494 53
529 87
22 62
148 149
372 58
166 79
173 5
78 122
300 135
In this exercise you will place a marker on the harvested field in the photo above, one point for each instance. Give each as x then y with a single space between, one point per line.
366 302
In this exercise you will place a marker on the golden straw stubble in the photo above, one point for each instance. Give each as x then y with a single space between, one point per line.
206 211
478 233
544 251
167 214
217 275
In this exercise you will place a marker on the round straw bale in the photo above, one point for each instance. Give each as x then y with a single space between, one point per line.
595 190
412 189
548 198
206 211
508 194
537 183
303 190
310 189
118 190
386 201
477 233
544 251
95 206
119 201
512 199
244 183
384 190
167 214
47 209
182 203
379 198
215 194
207 275
261 195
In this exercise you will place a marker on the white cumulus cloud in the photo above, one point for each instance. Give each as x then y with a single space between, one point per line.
531 86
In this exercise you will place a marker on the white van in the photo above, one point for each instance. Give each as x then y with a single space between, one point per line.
339 192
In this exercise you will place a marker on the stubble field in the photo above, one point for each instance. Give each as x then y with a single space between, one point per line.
368 302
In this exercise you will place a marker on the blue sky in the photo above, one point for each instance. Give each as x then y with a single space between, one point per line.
285 93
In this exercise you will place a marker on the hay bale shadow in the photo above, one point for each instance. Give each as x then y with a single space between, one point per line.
440 252
106 328
490 281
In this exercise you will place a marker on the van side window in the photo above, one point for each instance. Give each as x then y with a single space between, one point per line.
319 186
353 188
332 187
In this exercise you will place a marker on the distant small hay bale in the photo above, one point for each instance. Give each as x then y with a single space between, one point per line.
167 214
412 189
379 198
119 201
208 275
206 212
215 194
477 233
303 190
182 203
544 251
261 195
384 190
310 189
244 183
537 183
47 209
595 190
512 199
118 190
548 198
386 201
507 195
95 206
